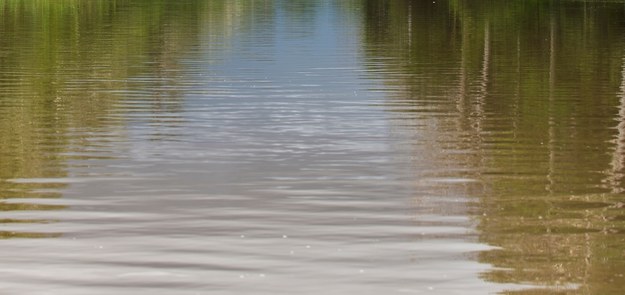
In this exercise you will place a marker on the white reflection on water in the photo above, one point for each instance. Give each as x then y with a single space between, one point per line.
279 174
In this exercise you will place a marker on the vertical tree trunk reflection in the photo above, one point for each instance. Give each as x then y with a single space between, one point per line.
616 171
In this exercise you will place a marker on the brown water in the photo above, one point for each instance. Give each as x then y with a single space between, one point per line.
312 147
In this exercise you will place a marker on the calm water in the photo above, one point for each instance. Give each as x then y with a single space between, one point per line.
312 147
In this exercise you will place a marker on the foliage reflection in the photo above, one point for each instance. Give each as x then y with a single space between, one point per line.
528 99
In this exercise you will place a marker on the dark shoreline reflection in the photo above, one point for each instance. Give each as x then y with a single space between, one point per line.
527 99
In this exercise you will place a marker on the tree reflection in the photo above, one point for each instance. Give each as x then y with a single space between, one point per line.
524 97
75 75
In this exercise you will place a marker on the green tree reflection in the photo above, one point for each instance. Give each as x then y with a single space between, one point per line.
73 73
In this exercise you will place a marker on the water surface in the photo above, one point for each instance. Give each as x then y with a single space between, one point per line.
312 147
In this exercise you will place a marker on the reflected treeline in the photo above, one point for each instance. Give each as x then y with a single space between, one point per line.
75 75
527 98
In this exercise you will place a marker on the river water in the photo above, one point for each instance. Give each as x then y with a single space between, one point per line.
312 147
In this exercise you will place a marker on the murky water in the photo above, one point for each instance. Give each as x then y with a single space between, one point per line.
312 147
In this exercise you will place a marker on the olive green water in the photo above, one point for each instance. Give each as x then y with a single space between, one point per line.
312 147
